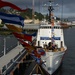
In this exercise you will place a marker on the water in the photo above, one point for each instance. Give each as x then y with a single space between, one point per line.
9 44
68 66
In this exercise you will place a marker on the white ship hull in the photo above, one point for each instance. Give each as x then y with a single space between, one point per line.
51 39
52 61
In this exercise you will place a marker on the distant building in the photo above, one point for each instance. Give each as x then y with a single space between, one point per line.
0 21
73 22
28 21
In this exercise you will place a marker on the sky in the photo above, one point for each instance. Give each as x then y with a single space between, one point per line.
67 5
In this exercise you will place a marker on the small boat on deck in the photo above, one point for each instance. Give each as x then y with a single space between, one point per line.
64 25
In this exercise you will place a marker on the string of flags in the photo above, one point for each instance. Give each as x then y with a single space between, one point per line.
35 52
52 29
24 38
4 4
12 19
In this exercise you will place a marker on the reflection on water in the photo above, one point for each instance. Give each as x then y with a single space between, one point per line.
68 64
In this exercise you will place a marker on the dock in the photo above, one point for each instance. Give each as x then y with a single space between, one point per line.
18 62
4 60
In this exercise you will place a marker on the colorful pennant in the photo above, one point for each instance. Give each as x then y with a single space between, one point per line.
12 19
23 36
4 4
14 28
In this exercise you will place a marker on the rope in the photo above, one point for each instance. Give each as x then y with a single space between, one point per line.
33 69
41 70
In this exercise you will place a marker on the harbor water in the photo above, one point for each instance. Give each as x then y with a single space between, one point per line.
7 43
68 65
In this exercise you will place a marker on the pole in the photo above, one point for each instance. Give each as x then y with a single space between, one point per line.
4 45
33 11
62 12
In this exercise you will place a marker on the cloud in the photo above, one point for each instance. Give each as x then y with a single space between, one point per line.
68 5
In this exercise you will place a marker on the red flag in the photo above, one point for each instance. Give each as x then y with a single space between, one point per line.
23 43
23 36
37 54
3 4
28 47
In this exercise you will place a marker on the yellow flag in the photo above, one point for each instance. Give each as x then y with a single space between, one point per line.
14 28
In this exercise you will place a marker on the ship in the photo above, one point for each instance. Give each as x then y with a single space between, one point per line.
48 49
50 38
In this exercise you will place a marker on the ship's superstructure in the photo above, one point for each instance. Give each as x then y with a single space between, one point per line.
51 38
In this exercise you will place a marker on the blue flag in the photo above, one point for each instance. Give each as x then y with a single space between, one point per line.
33 34
11 19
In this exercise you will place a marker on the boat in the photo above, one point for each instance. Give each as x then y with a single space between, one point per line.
64 25
49 47
50 38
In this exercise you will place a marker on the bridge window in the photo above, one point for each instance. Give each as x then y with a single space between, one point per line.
49 27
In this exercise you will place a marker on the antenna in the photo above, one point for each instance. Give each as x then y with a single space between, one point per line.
51 0
50 9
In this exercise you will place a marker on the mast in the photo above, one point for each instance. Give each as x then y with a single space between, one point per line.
51 20
33 10
50 9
